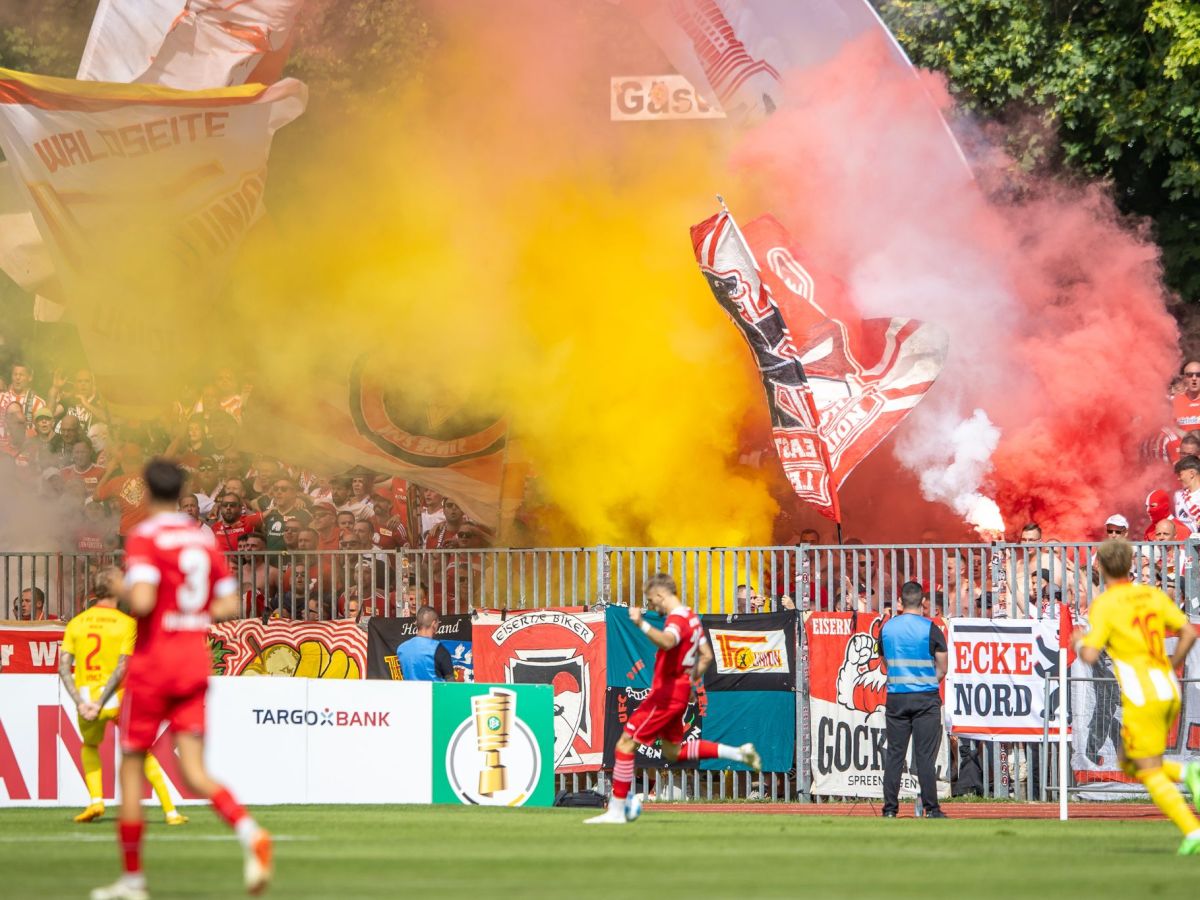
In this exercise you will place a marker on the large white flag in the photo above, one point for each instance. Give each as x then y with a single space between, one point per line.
142 195
189 44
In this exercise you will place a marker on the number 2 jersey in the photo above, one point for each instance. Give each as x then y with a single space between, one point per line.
172 552
1131 621
98 637
673 668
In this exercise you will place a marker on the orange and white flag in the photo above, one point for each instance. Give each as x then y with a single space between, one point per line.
142 195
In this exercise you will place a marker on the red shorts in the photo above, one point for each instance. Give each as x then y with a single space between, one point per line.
146 706
664 717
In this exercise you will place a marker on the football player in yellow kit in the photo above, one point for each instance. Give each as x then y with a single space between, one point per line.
1130 621
96 644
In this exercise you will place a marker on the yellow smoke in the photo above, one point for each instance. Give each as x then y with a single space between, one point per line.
537 262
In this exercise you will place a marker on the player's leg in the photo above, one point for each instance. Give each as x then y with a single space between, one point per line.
618 800
92 732
701 749
899 730
255 841
1144 737
158 781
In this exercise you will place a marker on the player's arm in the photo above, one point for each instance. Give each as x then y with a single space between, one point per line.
66 670
664 639
142 576
1175 620
703 661
226 603
114 681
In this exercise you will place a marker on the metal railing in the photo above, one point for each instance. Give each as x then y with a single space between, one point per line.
999 580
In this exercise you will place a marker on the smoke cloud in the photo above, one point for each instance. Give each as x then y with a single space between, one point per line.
1060 341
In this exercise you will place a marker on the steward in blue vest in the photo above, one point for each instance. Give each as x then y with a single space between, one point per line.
423 658
914 652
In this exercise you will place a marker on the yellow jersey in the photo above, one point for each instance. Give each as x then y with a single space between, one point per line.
1131 621
98 638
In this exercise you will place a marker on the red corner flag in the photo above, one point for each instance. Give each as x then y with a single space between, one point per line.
1066 628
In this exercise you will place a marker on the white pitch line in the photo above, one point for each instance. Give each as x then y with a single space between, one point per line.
108 838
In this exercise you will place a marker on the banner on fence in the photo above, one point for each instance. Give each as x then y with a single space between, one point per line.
562 648
291 649
30 649
847 700
1096 725
996 683
493 745
747 694
385 635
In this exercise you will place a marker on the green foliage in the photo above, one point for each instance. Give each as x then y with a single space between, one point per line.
1116 84
45 37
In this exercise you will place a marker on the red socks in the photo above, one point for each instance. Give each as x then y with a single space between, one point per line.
699 750
129 835
228 808
622 775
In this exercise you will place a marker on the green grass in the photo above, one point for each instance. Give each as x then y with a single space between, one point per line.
458 852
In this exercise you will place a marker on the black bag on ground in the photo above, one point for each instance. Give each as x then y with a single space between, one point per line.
579 798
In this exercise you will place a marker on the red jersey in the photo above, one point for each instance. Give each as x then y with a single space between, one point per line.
90 477
171 551
227 534
1187 412
673 668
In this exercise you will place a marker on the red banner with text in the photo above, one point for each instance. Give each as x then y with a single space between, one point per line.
30 649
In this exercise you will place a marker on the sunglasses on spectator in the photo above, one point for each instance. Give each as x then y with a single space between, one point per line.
1112 530
1191 374
231 504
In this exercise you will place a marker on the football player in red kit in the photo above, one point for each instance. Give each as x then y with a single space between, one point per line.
176 583
683 656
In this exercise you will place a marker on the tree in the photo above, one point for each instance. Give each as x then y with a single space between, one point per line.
1116 85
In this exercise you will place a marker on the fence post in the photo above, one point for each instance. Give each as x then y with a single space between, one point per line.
803 773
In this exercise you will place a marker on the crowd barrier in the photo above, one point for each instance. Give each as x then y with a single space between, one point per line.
551 618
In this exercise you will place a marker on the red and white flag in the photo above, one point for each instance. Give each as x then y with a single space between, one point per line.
189 44
836 384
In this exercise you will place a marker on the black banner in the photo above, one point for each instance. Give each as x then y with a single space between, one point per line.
620 703
385 635
752 651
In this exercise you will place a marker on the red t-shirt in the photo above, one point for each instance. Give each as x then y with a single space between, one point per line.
90 477
1187 412
170 551
673 668
227 535
131 495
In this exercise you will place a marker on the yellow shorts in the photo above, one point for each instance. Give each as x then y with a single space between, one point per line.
93 731
1144 728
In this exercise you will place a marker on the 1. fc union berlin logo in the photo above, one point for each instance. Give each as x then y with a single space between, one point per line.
437 432
492 758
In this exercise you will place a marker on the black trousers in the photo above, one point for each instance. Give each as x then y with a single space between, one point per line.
918 716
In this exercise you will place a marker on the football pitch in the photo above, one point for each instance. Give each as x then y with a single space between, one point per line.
436 852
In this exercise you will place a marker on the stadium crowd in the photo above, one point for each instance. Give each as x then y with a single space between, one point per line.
83 465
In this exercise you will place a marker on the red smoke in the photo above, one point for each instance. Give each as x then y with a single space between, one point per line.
1054 304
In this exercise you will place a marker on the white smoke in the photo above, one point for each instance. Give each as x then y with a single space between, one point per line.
952 456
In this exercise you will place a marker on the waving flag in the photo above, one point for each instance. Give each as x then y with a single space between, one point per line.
189 44
836 385
142 195
733 275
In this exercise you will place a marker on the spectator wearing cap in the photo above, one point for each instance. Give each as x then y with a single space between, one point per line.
1116 527
325 524
1187 498
1186 403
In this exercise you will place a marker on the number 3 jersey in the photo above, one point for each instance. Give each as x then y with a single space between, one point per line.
170 551
1131 621
673 668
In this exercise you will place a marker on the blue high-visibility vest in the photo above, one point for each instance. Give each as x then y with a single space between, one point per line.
910 665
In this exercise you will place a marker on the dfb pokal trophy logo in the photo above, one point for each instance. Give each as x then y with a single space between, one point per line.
493 757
